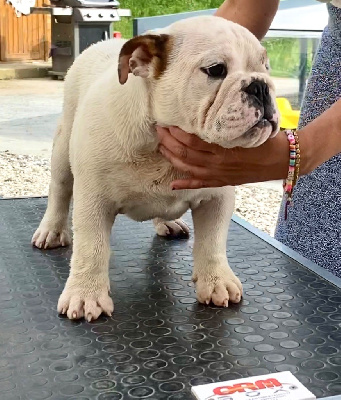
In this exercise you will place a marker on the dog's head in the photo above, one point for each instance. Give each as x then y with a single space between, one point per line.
208 76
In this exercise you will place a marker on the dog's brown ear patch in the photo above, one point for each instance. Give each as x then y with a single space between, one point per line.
144 56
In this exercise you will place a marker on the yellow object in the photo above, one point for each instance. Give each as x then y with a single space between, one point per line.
288 117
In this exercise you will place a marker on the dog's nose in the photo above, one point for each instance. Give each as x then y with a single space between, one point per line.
259 90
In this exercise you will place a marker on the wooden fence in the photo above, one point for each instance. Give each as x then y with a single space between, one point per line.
27 37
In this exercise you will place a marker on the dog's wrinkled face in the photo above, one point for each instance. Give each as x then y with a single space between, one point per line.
209 77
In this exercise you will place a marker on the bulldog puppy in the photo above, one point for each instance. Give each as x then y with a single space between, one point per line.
205 75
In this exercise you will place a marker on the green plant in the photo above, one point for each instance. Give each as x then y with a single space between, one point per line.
283 53
159 7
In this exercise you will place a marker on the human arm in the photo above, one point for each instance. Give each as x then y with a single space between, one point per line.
254 15
210 165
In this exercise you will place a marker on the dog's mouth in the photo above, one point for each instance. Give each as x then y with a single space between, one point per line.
261 124
264 123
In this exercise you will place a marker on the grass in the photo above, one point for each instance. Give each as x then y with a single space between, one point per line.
149 8
283 53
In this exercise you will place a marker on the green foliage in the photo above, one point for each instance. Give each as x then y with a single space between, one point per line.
150 8
283 53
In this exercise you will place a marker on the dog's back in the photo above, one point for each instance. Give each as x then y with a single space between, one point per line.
86 69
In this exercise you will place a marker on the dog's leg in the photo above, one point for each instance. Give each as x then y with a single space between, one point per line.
86 291
174 228
53 230
215 281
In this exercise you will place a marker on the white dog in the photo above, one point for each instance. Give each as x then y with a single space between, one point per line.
205 75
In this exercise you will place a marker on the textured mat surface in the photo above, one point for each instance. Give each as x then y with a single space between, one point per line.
160 341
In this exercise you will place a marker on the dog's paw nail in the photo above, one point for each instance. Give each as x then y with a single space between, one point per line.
109 314
63 311
74 315
226 303
89 317
207 302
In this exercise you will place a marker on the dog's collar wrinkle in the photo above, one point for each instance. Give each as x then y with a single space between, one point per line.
207 109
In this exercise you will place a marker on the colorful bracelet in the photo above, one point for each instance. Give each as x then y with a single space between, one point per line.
298 157
294 168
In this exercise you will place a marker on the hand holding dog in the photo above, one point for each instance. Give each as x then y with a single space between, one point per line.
210 165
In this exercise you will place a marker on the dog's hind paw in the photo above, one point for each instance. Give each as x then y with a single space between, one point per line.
45 238
176 228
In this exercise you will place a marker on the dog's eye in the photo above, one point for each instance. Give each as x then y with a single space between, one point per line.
267 65
215 70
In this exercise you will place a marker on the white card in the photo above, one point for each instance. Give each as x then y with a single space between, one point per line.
278 386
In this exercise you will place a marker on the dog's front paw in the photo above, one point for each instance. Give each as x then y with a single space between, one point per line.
49 237
174 228
218 287
88 300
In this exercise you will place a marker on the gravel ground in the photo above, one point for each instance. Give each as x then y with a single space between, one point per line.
259 206
22 175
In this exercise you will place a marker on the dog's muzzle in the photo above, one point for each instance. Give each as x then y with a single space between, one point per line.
259 97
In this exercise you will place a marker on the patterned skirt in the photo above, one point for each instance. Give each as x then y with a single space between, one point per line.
313 225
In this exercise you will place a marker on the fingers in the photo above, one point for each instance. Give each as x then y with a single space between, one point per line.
194 142
186 139
183 152
201 176
181 137
190 169
195 184
191 140
187 157
204 171
169 142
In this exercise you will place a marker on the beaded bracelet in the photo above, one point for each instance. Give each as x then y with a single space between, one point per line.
294 168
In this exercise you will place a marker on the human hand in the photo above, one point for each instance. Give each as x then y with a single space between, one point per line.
210 165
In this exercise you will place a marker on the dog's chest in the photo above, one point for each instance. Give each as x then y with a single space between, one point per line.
147 207
145 192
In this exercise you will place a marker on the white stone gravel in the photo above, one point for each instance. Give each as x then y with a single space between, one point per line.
22 175
259 206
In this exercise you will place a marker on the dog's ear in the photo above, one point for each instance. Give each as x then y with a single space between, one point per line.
144 56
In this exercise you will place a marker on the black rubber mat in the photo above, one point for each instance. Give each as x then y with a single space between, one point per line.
160 341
